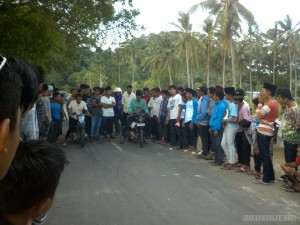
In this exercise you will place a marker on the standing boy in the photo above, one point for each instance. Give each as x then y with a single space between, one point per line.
215 126
56 112
267 114
163 113
230 130
108 103
154 105
96 113
174 112
188 123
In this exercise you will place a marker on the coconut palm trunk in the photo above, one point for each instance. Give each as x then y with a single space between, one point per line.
274 65
233 62
187 64
224 69
207 69
170 75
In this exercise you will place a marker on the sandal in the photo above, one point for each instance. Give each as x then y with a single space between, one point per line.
292 190
260 182
242 170
227 168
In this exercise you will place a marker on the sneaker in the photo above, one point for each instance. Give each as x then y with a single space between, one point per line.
186 150
64 144
194 153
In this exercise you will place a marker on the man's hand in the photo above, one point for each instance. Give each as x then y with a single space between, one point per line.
167 122
255 151
191 126
216 133
177 119
182 124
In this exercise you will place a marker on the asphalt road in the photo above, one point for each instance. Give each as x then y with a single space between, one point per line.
113 184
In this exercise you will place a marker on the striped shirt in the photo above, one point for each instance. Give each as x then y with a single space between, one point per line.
270 113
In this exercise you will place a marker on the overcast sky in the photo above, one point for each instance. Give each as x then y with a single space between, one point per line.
157 14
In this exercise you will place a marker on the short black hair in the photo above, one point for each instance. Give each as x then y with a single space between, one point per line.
108 88
33 176
129 86
255 101
40 74
29 80
73 89
204 89
56 89
55 94
10 97
219 93
139 93
156 89
211 90
245 123
285 93
183 94
172 86
78 95
45 87
180 89
145 89
189 90
195 93
166 92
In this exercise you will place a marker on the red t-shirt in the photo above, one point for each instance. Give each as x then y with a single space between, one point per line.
270 114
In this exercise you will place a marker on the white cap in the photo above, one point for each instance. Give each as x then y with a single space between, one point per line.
50 88
117 89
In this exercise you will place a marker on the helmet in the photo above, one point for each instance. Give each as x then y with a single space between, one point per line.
117 89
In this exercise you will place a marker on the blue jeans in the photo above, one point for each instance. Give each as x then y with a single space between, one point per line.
263 142
219 153
95 125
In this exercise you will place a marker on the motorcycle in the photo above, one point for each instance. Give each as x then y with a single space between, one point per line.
136 132
79 131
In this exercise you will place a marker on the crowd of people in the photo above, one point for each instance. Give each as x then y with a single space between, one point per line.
230 132
32 115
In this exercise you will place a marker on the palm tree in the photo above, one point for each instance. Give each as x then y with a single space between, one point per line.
272 35
227 13
208 40
185 28
289 35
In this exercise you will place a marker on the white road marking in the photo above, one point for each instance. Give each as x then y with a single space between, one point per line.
199 176
117 146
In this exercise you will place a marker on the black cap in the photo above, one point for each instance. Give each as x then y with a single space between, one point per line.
239 94
229 90
270 87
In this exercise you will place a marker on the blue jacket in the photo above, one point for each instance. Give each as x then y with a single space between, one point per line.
216 118
202 116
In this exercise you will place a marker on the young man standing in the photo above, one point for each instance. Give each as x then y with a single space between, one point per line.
126 99
108 103
242 144
202 120
188 123
230 130
174 112
290 133
46 121
96 113
56 112
215 126
267 114
118 109
154 105
163 113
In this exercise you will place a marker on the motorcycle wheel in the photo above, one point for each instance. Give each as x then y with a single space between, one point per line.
141 138
82 137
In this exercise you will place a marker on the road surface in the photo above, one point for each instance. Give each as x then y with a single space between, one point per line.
114 184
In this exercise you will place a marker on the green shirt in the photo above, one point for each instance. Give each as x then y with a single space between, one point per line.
138 107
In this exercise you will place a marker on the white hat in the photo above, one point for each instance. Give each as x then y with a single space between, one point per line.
117 89
50 88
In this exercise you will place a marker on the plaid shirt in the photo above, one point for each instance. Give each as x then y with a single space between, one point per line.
29 129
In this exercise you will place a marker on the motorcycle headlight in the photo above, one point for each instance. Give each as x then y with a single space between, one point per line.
141 119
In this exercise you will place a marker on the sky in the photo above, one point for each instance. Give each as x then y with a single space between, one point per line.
156 15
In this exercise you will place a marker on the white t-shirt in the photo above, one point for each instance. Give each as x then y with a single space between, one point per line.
173 105
154 104
108 112
77 108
